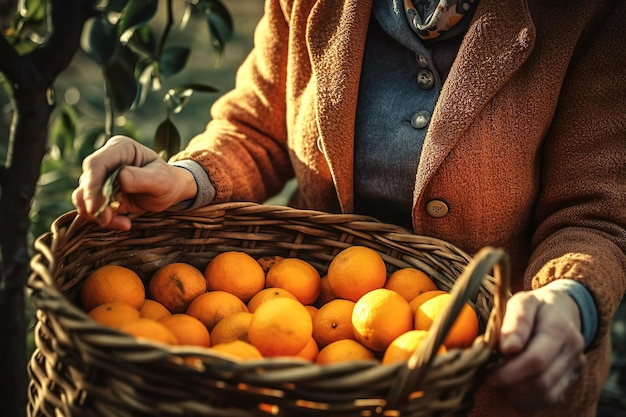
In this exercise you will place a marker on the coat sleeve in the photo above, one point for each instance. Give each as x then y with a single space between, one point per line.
244 146
581 212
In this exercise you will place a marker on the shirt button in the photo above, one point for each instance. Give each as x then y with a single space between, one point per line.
421 61
320 144
420 119
425 79
437 208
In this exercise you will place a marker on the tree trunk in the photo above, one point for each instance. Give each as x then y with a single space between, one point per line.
31 77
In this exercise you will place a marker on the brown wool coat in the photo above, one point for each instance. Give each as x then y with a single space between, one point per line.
527 144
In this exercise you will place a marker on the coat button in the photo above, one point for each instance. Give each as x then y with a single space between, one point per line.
320 144
425 79
437 208
420 119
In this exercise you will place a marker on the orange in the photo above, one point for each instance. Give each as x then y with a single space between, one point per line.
326 293
464 329
333 322
238 350
379 317
213 306
114 314
410 282
280 327
265 294
112 283
297 276
144 328
417 301
267 261
154 310
404 345
309 351
187 329
355 271
343 351
175 285
312 310
233 327
237 273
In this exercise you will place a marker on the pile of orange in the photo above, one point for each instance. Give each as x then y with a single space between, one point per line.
247 308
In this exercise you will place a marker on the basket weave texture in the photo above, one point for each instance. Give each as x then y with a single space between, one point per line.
81 368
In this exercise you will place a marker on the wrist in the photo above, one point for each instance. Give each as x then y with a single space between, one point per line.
187 186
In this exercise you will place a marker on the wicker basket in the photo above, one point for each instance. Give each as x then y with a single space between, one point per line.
80 368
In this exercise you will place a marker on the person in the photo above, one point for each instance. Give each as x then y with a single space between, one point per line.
479 122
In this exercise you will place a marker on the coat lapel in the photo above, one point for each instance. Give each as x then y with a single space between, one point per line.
336 38
498 41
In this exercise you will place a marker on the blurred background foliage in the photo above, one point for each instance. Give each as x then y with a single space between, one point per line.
181 57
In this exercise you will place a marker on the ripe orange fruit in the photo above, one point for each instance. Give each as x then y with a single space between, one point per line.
464 329
343 351
280 327
404 345
326 293
266 294
309 351
267 261
175 285
355 271
297 276
152 309
410 282
237 273
417 301
112 283
143 328
379 317
114 314
238 350
187 329
213 306
312 310
233 327
333 322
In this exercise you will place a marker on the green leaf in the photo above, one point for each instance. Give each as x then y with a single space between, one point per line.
136 13
33 11
221 27
177 98
145 74
120 79
166 139
63 131
99 39
173 59
144 42
89 142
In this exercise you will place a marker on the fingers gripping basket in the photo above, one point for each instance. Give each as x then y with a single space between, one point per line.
80 368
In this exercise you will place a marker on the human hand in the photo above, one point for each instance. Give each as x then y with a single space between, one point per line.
542 346
147 182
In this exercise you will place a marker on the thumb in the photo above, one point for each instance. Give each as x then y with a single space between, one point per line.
518 321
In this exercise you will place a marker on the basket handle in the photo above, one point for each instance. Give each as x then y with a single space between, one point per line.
480 265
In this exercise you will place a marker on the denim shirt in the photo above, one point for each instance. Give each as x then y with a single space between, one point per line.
400 83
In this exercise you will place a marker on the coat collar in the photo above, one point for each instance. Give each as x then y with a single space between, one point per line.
499 39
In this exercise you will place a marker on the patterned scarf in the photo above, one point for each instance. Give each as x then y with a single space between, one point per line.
430 18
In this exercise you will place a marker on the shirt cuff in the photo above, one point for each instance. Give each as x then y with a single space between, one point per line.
586 305
206 190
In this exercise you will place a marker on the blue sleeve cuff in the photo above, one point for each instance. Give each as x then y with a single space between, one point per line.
206 190
586 306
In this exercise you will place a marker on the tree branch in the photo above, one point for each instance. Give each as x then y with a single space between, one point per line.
9 64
